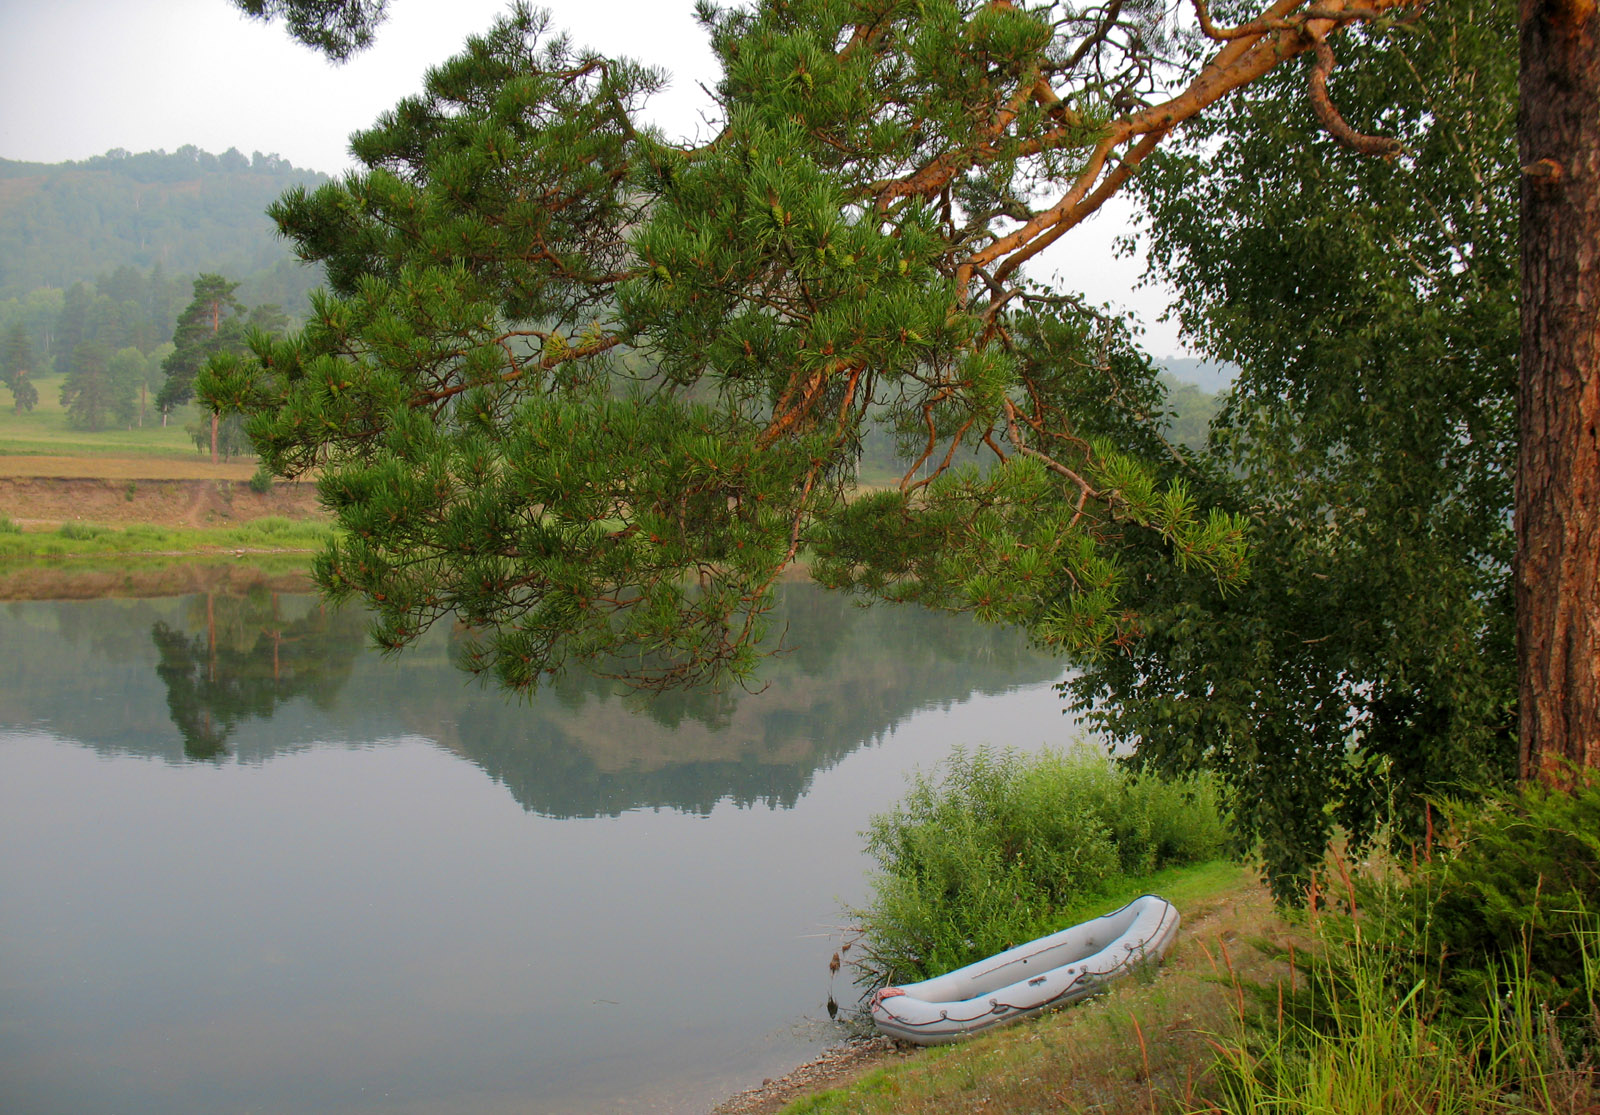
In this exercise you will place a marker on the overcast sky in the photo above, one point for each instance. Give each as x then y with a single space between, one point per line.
80 77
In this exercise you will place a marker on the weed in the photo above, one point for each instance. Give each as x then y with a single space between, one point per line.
75 531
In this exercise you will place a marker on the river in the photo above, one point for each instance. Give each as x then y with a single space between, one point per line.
249 865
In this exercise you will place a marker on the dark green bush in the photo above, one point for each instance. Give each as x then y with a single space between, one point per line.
1520 879
1466 982
980 859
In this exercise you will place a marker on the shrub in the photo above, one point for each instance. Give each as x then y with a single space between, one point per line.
981 859
7 526
1466 981
261 481
82 532
1516 885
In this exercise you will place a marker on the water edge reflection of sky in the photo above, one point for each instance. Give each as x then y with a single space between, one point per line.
333 912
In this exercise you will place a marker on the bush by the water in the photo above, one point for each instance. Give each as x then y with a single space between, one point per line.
991 853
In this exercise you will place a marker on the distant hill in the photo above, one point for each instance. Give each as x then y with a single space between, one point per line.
1210 376
182 213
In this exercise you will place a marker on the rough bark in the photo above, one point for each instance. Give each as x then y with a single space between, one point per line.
1558 477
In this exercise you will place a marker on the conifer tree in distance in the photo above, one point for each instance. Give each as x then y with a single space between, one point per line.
17 366
212 323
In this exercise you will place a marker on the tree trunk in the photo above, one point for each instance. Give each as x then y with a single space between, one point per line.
1558 474
213 437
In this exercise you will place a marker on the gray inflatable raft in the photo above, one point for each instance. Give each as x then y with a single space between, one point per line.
1020 982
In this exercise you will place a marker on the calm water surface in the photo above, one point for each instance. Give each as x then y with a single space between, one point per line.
248 866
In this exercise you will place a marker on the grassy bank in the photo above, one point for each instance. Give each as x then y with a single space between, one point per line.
1144 1047
79 539
1460 980
96 577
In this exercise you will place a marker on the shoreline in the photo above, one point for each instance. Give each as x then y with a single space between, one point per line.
830 1069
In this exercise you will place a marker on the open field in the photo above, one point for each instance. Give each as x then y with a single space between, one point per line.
70 493
44 431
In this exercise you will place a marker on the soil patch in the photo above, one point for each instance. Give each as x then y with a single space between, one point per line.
44 502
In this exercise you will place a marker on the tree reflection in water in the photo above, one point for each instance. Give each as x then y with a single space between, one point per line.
239 659
247 678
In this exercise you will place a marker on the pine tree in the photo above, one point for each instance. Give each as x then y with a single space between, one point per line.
72 327
16 366
850 250
90 394
212 323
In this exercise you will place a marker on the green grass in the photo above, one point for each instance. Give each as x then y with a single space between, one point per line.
80 539
1356 1039
44 431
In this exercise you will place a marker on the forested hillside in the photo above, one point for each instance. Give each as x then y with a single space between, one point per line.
182 213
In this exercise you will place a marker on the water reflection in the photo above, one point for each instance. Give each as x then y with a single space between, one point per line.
239 657
251 676
365 923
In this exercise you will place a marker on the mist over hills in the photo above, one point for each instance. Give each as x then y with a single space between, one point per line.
183 213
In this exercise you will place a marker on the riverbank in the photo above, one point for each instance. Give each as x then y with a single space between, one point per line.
42 494
1145 1047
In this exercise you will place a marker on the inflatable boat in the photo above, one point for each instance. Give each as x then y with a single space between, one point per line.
1020 982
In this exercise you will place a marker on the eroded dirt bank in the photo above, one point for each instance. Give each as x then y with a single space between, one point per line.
46 502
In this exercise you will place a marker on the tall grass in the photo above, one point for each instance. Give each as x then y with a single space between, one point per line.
993 851
1359 1028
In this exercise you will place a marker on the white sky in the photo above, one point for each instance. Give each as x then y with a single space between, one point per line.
80 77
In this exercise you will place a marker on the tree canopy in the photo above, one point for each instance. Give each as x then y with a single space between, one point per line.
592 392
1370 442
337 28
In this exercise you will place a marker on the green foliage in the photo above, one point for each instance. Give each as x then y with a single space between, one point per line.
1470 982
212 323
17 366
593 392
261 481
989 854
99 391
9 526
337 28
1191 413
1369 442
1514 887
